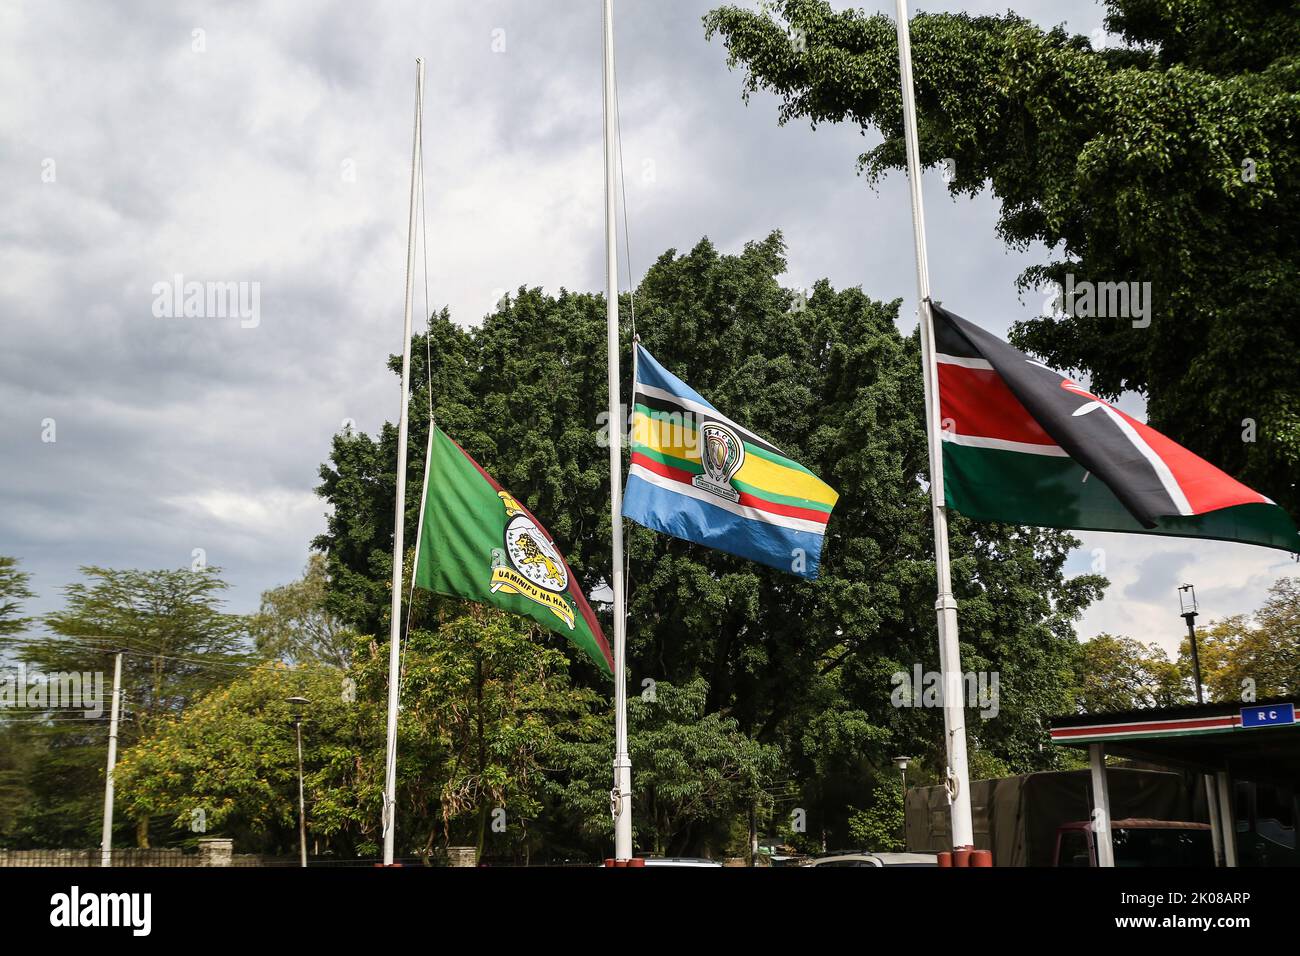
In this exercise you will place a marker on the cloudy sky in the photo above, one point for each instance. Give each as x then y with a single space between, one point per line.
269 144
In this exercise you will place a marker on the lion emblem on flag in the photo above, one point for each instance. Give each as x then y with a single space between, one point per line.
529 564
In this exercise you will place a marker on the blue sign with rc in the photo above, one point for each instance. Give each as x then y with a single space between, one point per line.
1269 715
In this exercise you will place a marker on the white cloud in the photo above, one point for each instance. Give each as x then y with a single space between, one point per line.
1145 572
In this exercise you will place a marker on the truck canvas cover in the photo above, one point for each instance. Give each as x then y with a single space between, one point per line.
1017 817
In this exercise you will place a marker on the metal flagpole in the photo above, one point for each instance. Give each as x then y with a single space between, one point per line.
399 509
621 795
106 845
954 714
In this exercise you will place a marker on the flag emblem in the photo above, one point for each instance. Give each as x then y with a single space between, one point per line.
724 453
536 569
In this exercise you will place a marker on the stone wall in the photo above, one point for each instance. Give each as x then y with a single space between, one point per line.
212 851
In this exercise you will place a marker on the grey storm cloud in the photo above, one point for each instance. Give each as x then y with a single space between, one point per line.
269 143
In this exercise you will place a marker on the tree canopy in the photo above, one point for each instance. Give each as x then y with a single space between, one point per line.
1120 673
228 765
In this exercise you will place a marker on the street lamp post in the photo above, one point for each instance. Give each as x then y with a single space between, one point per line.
901 763
298 705
1187 607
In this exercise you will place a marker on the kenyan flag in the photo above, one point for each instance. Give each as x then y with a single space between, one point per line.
1025 445
478 542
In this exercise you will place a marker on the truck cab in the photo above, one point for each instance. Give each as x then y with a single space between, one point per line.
1138 843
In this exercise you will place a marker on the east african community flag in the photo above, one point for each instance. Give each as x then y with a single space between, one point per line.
699 476
1025 445
478 542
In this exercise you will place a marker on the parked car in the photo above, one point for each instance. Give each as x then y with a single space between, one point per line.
686 861
875 859
680 861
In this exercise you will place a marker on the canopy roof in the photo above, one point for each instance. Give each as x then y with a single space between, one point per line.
1201 737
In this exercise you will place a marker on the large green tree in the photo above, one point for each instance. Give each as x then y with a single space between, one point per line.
832 382
1168 155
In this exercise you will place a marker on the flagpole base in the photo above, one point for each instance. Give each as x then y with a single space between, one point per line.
621 801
